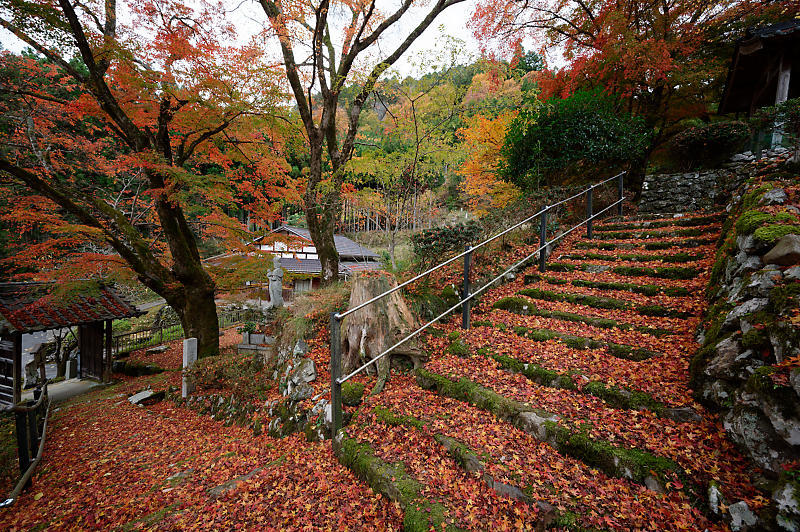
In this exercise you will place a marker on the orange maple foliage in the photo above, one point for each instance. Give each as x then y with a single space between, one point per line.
483 137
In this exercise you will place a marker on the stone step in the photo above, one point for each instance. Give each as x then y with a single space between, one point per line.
525 307
663 272
650 246
654 223
622 351
604 303
516 465
636 465
647 290
657 233
676 258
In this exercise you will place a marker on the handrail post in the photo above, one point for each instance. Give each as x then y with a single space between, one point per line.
621 193
589 212
543 239
336 372
465 290
22 441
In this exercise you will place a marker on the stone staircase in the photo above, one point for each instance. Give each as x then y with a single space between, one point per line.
566 405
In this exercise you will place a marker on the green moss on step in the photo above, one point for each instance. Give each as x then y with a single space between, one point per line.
577 299
421 516
470 392
536 373
691 243
662 311
646 289
624 398
663 273
352 392
616 461
459 349
390 418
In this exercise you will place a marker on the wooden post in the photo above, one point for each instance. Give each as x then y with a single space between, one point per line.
108 361
336 372
781 95
22 441
17 370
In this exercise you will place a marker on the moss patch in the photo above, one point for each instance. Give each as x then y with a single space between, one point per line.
644 289
390 418
352 392
770 234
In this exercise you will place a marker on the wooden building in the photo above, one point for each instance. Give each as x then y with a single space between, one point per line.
760 74
32 307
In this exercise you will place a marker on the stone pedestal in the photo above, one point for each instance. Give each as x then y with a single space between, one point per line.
72 369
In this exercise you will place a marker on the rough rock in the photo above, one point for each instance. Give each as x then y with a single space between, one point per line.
761 282
596 268
304 371
300 348
750 428
776 196
751 306
747 244
741 516
785 498
301 391
727 352
157 349
786 252
793 273
682 414
715 499
534 423
146 397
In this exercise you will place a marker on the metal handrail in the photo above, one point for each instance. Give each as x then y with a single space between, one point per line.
470 249
342 380
336 318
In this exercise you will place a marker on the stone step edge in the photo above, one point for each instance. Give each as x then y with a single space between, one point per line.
525 307
390 480
621 351
613 396
636 465
674 258
468 460
649 246
649 290
683 221
659 272
606 303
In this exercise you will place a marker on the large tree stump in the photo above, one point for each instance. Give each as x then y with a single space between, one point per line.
368 332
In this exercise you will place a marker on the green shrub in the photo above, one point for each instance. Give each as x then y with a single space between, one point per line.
433 244
584 132
709 145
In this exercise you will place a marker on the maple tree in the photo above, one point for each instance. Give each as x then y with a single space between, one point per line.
137 145
666 61
328 69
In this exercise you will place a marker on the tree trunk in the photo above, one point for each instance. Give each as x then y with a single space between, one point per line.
368 332
198 314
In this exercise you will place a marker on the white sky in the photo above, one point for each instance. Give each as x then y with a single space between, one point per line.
452 22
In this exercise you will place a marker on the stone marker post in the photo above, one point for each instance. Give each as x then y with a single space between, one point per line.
189 358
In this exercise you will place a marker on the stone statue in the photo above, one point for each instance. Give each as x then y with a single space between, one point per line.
275 277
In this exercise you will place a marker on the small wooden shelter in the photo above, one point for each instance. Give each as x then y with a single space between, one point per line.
760 74
32 307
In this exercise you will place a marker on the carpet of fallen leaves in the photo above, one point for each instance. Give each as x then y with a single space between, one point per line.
515 457
108 464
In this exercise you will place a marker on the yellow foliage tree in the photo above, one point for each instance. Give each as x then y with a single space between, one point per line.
483 137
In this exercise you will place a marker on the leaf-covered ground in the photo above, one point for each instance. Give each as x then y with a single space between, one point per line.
109 464
498 354
609 366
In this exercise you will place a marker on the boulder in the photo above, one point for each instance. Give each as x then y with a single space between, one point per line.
301 391
742 517
146 397
596 268
786 252
793 273
750 428
751 306
776 196
304 371
157 349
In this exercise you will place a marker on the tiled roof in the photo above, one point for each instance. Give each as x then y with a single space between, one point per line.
345 246
314 266
773 30
29 307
